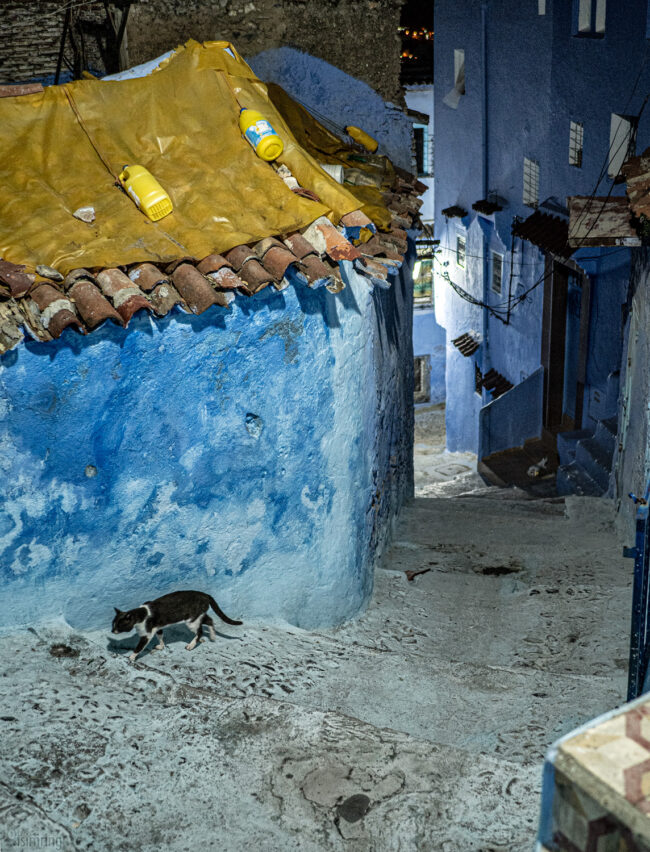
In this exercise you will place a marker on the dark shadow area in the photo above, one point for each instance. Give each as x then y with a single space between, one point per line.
173 635
319 302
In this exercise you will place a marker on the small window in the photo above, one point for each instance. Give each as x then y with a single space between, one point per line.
591 18
576 132
422 155
459 71
541 7
622 141
497 272
422 378
423 273
531 182
460 251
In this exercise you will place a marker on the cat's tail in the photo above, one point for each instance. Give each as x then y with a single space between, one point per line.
222 615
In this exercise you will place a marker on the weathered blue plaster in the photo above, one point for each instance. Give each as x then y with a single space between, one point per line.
259 454
329 92
529 105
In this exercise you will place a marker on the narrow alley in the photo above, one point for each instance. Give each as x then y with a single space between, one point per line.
429 716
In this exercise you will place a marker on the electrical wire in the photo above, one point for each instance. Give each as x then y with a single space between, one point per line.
73 4
608 155
511 304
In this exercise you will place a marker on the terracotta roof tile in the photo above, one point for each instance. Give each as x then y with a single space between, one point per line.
92 306
164 298
253 273
77 275
328 240
318 274
299 245
126 297
277 259
57 311
213 263
196 290
171 267
238 255
226 279
17 280
147 276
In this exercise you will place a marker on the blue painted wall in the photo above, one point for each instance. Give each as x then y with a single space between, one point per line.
429 339
259 454
331 93
538 77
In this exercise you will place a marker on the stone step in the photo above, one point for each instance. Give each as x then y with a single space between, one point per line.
572 479
606 433
567 443
595 460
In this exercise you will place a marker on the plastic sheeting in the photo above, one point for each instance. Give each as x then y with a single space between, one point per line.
326 147
62 148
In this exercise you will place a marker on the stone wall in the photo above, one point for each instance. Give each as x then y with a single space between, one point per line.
632 456
359 37
30 35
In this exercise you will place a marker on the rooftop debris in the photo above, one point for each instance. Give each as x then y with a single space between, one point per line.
125 263
601 221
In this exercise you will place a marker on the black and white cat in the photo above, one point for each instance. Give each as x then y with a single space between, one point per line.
152 616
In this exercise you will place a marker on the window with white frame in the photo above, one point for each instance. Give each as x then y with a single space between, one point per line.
591 18
459 71
460 251
422 150
622 138
576 135
497 272
531 182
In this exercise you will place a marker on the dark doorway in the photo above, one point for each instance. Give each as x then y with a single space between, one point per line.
565 329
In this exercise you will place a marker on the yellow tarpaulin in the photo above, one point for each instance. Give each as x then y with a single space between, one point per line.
326 147
60 149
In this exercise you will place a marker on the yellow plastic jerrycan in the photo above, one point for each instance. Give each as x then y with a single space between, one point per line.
145 190
261 135
362 138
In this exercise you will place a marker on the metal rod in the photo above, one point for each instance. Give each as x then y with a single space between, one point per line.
66 24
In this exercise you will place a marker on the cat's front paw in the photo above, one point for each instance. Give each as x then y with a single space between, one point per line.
133 657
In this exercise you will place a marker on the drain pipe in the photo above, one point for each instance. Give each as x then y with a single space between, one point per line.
484 146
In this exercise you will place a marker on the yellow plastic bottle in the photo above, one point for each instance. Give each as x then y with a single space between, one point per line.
261 135
145 190
362 138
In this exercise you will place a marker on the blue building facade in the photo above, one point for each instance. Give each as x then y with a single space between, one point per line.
429 347
534 102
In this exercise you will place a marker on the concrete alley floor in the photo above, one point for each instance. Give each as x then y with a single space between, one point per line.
420 726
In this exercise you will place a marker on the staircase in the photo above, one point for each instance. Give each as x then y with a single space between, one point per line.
586 459
517 466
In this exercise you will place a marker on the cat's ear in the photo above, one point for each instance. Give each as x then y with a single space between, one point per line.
117 611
